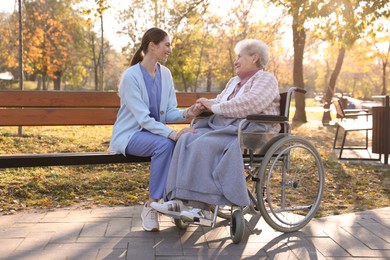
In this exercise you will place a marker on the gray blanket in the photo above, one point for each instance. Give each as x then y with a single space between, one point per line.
208 166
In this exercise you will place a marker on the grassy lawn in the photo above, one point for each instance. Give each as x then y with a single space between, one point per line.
350 187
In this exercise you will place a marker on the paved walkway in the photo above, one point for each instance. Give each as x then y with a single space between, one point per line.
116 233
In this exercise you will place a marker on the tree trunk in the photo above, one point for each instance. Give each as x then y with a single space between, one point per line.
20 46
384 88
20 128
326 118
57 81
44 79
102 54
184 82
39 83
199 70
299 38
209 80
95 63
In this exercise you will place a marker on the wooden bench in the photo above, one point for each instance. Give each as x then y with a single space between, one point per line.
348 123
59 108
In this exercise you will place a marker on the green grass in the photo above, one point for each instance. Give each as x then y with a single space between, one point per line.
27 85
349 187
309 102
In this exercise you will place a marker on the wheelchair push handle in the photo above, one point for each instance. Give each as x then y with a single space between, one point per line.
300 90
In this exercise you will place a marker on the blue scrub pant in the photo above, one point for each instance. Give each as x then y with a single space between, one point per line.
160 149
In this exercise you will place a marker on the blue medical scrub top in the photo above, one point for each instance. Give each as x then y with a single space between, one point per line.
153 87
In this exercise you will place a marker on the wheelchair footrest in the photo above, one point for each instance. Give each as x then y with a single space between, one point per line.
203 221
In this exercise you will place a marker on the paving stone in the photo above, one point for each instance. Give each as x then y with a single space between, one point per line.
68 232
30 218
113 253
303 247
118 227
94 229
353 245
105 242
193 240
8 246
168 246
379 230
116 233
141 249
328 247
71 251
376 241
35 241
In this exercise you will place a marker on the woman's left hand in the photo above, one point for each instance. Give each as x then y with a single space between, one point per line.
195 109
185 130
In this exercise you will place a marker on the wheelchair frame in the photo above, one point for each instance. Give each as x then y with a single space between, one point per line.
284 174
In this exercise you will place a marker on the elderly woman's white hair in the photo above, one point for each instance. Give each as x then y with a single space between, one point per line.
251 47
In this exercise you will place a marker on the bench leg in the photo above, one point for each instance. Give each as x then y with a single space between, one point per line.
342 144
366 139
335 138
352 148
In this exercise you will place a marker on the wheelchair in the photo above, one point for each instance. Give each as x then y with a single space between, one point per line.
284 175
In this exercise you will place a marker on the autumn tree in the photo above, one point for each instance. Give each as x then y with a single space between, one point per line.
97 11
300 11
381 54
168 15
45 41
49 33
8 43
349 21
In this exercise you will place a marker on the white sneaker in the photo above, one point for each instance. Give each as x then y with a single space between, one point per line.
194 215
171 208
149 217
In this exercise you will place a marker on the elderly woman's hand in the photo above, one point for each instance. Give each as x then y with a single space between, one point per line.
207 103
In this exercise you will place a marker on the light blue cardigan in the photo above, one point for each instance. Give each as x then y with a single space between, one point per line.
133 114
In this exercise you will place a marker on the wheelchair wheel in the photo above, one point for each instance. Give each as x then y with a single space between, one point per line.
237 226
180 224
291 184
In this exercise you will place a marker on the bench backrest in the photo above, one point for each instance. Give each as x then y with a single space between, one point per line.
45 108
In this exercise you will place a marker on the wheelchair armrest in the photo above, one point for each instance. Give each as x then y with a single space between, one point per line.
266 118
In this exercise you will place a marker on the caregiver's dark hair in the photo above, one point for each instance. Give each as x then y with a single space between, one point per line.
155 35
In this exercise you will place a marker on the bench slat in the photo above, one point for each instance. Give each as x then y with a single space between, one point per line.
185 99
54 117
60 117
80 99
58 99
57 159
355 126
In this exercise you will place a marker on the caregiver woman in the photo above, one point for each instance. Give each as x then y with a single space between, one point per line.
147 102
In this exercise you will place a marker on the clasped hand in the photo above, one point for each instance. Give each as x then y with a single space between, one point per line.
201 105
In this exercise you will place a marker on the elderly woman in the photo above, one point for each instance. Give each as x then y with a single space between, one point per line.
207 166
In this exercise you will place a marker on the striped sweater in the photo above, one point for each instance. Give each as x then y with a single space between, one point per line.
259 95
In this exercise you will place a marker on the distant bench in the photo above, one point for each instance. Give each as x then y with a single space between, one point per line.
62 108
